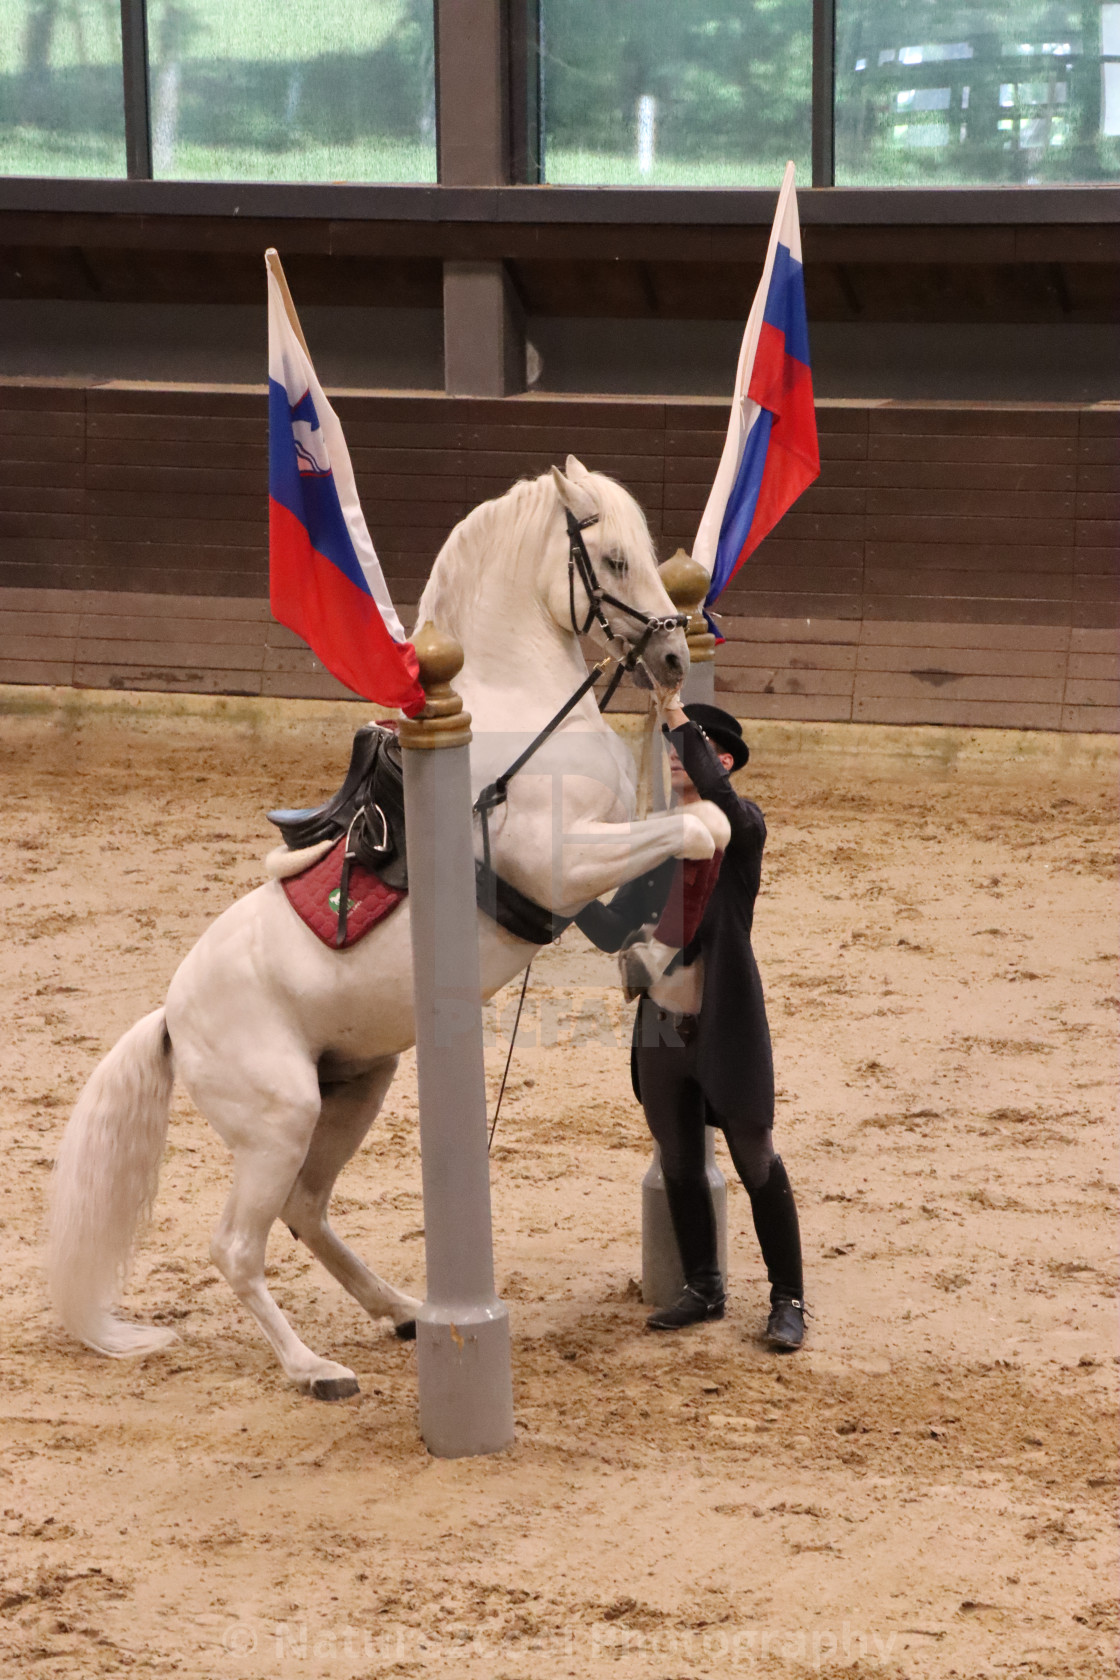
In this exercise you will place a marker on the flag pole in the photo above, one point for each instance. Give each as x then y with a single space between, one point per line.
276 269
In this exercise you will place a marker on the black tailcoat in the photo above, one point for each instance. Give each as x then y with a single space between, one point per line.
734 1061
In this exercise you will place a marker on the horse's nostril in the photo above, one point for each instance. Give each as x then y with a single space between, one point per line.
673 662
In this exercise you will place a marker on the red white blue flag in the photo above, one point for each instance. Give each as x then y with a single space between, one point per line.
325 580
771 453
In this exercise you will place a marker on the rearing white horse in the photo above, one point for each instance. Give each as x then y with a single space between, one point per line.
288 1047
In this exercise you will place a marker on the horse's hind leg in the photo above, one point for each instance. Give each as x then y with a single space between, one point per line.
264 1171
349 1108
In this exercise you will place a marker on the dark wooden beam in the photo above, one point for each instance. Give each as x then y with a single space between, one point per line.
472 92
525 92
694 207
483 331
483 324
824 92
137 105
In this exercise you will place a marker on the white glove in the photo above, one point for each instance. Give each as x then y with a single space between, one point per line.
696 836
636 966
642 965
714 820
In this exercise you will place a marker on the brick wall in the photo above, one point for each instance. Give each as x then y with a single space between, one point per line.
953 564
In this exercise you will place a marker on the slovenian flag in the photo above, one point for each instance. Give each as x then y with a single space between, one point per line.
771 453
325 580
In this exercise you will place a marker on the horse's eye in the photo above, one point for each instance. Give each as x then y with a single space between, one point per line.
617 564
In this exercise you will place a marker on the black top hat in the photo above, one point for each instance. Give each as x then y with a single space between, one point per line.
724 731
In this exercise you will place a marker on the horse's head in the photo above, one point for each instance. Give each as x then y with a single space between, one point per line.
623 564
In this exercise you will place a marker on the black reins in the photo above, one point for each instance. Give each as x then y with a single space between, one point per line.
579 564
494 795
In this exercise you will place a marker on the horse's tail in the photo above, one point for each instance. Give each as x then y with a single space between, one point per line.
104 1184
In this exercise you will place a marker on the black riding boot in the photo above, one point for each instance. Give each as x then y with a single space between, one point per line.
779 1238
694 1225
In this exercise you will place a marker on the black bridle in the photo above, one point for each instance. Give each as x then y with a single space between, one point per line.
579 564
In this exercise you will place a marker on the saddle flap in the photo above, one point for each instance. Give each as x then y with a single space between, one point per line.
316 896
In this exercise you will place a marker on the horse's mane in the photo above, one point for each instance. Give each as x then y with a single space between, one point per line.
509 533
493 534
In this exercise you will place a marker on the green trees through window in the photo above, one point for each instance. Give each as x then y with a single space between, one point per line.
61 88
255 91
675 92
241 90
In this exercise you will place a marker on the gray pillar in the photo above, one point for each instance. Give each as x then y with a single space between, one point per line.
483 321
662 1277
658 771
700 684
462 1330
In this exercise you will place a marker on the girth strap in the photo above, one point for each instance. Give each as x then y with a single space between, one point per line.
521 916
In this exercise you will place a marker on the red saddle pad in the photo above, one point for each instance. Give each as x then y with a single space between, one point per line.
314 896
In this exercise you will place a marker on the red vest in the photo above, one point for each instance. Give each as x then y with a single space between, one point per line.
688 899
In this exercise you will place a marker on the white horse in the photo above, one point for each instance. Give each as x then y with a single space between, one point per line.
288 1047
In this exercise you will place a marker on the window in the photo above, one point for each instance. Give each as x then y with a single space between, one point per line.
675 92
1110 71
252 90
956 94
61 88
603 92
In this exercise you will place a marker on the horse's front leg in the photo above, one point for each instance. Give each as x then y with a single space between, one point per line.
596 857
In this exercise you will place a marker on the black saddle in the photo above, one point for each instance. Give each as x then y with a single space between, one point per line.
369 809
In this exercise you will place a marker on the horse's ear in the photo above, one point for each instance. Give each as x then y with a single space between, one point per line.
573 495
576 469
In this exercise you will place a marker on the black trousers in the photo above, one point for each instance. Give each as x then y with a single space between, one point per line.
677 1112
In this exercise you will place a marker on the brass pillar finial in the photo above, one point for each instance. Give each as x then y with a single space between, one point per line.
443 722
687 583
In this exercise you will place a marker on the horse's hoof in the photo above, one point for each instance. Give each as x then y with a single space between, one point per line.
334 1388
406 1331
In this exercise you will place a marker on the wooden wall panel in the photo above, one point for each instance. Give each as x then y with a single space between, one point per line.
953 563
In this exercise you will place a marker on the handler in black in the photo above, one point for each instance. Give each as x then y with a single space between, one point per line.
713 1067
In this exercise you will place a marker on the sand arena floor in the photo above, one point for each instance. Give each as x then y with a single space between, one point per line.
927 1490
